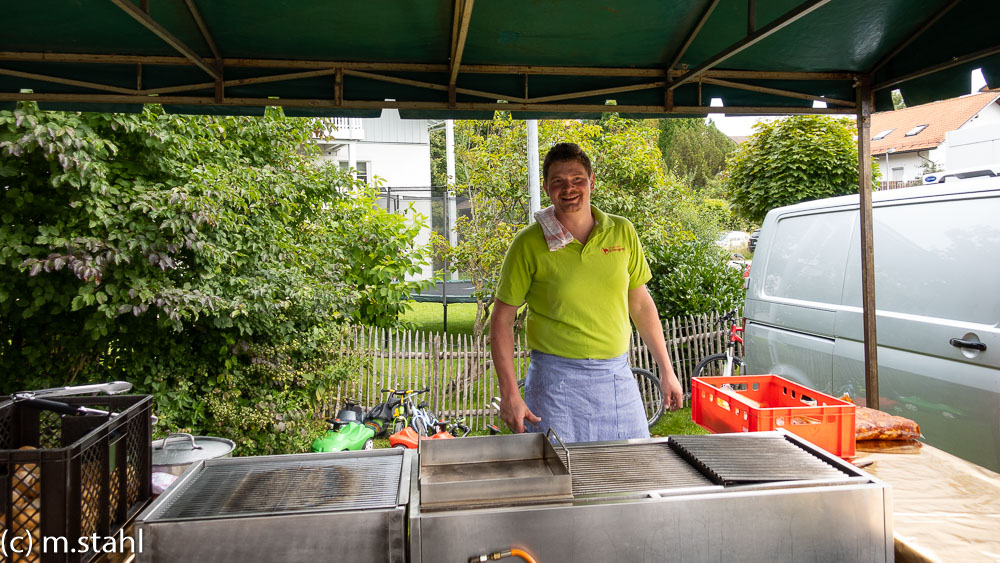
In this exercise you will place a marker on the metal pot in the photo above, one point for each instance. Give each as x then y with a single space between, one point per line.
175 452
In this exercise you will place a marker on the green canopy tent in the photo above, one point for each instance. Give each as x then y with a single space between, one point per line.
535 58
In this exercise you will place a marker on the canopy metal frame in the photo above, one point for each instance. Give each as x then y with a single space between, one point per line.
669 78
448 76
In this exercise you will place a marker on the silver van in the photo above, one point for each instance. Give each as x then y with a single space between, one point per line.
937 296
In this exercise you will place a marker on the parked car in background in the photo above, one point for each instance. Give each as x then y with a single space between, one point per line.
733 241
741 264
752 241
736 260
937 266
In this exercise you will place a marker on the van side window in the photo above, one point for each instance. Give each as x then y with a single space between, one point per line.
936 259
808 257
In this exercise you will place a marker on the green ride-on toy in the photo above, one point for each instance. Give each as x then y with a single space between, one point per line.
348 431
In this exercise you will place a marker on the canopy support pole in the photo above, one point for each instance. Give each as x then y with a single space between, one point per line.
865 104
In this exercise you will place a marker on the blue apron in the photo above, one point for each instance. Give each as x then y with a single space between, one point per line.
584 400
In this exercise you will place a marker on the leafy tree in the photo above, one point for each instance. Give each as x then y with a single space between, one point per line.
197 257
631 180
694 150
794 159
692 277
439 162
491 158
897 100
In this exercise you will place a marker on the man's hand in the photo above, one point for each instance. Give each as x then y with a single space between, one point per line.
514 412
642 309
673 395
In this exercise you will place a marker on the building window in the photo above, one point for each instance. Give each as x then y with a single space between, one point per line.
915 130
897 174
362 167
882 135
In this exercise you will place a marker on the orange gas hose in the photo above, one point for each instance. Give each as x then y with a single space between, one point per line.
512 552
522 554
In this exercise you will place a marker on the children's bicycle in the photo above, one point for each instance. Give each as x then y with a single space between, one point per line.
457 428
729 363
407 413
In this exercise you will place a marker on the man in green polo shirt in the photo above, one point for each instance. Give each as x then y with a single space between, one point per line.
582 273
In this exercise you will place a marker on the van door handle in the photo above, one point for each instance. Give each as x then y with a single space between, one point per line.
959 343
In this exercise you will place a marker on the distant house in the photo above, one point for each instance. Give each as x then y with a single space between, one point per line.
949 134
398 151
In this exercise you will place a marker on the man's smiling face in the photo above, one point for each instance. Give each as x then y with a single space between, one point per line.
568 186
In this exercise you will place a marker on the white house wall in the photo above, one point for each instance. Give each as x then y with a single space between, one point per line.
972 147
398 153
977 142
399 165
913 164
989 115
390 128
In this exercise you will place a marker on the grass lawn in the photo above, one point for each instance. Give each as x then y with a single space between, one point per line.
430 317
677 422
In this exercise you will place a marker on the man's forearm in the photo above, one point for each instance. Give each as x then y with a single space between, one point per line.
647 322
502 349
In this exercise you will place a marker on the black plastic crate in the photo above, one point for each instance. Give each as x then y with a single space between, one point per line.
87 475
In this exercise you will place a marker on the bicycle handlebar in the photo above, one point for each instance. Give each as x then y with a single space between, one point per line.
405 392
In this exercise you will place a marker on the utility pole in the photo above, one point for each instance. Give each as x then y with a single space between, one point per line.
533 189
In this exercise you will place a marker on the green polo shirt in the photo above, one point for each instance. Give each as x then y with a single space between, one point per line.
578 295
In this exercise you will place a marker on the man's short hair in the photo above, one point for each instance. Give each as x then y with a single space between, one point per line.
566 151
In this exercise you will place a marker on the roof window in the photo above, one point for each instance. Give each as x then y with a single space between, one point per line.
882 135
915 130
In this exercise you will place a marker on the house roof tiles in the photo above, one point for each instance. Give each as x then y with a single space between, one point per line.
939 118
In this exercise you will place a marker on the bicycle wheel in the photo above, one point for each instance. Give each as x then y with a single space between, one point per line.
651 393
420 426
649 390
715 366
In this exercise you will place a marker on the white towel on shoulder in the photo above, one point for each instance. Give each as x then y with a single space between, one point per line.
556 235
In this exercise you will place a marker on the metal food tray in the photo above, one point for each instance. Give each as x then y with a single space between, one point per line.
486 470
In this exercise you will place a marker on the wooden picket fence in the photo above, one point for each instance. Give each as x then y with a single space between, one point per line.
459 372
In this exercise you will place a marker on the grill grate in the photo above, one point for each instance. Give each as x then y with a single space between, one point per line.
287 486
629 468
730 459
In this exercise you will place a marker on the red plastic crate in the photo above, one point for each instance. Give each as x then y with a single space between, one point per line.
768 402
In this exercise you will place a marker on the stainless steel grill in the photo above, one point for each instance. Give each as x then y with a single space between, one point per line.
745 497
304 507
621 468
731 459
250 489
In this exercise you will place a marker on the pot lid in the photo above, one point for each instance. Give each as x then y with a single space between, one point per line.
179 449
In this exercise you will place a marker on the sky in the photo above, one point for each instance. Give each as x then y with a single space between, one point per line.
743 125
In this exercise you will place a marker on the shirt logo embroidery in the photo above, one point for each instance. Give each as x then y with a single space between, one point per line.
615 248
